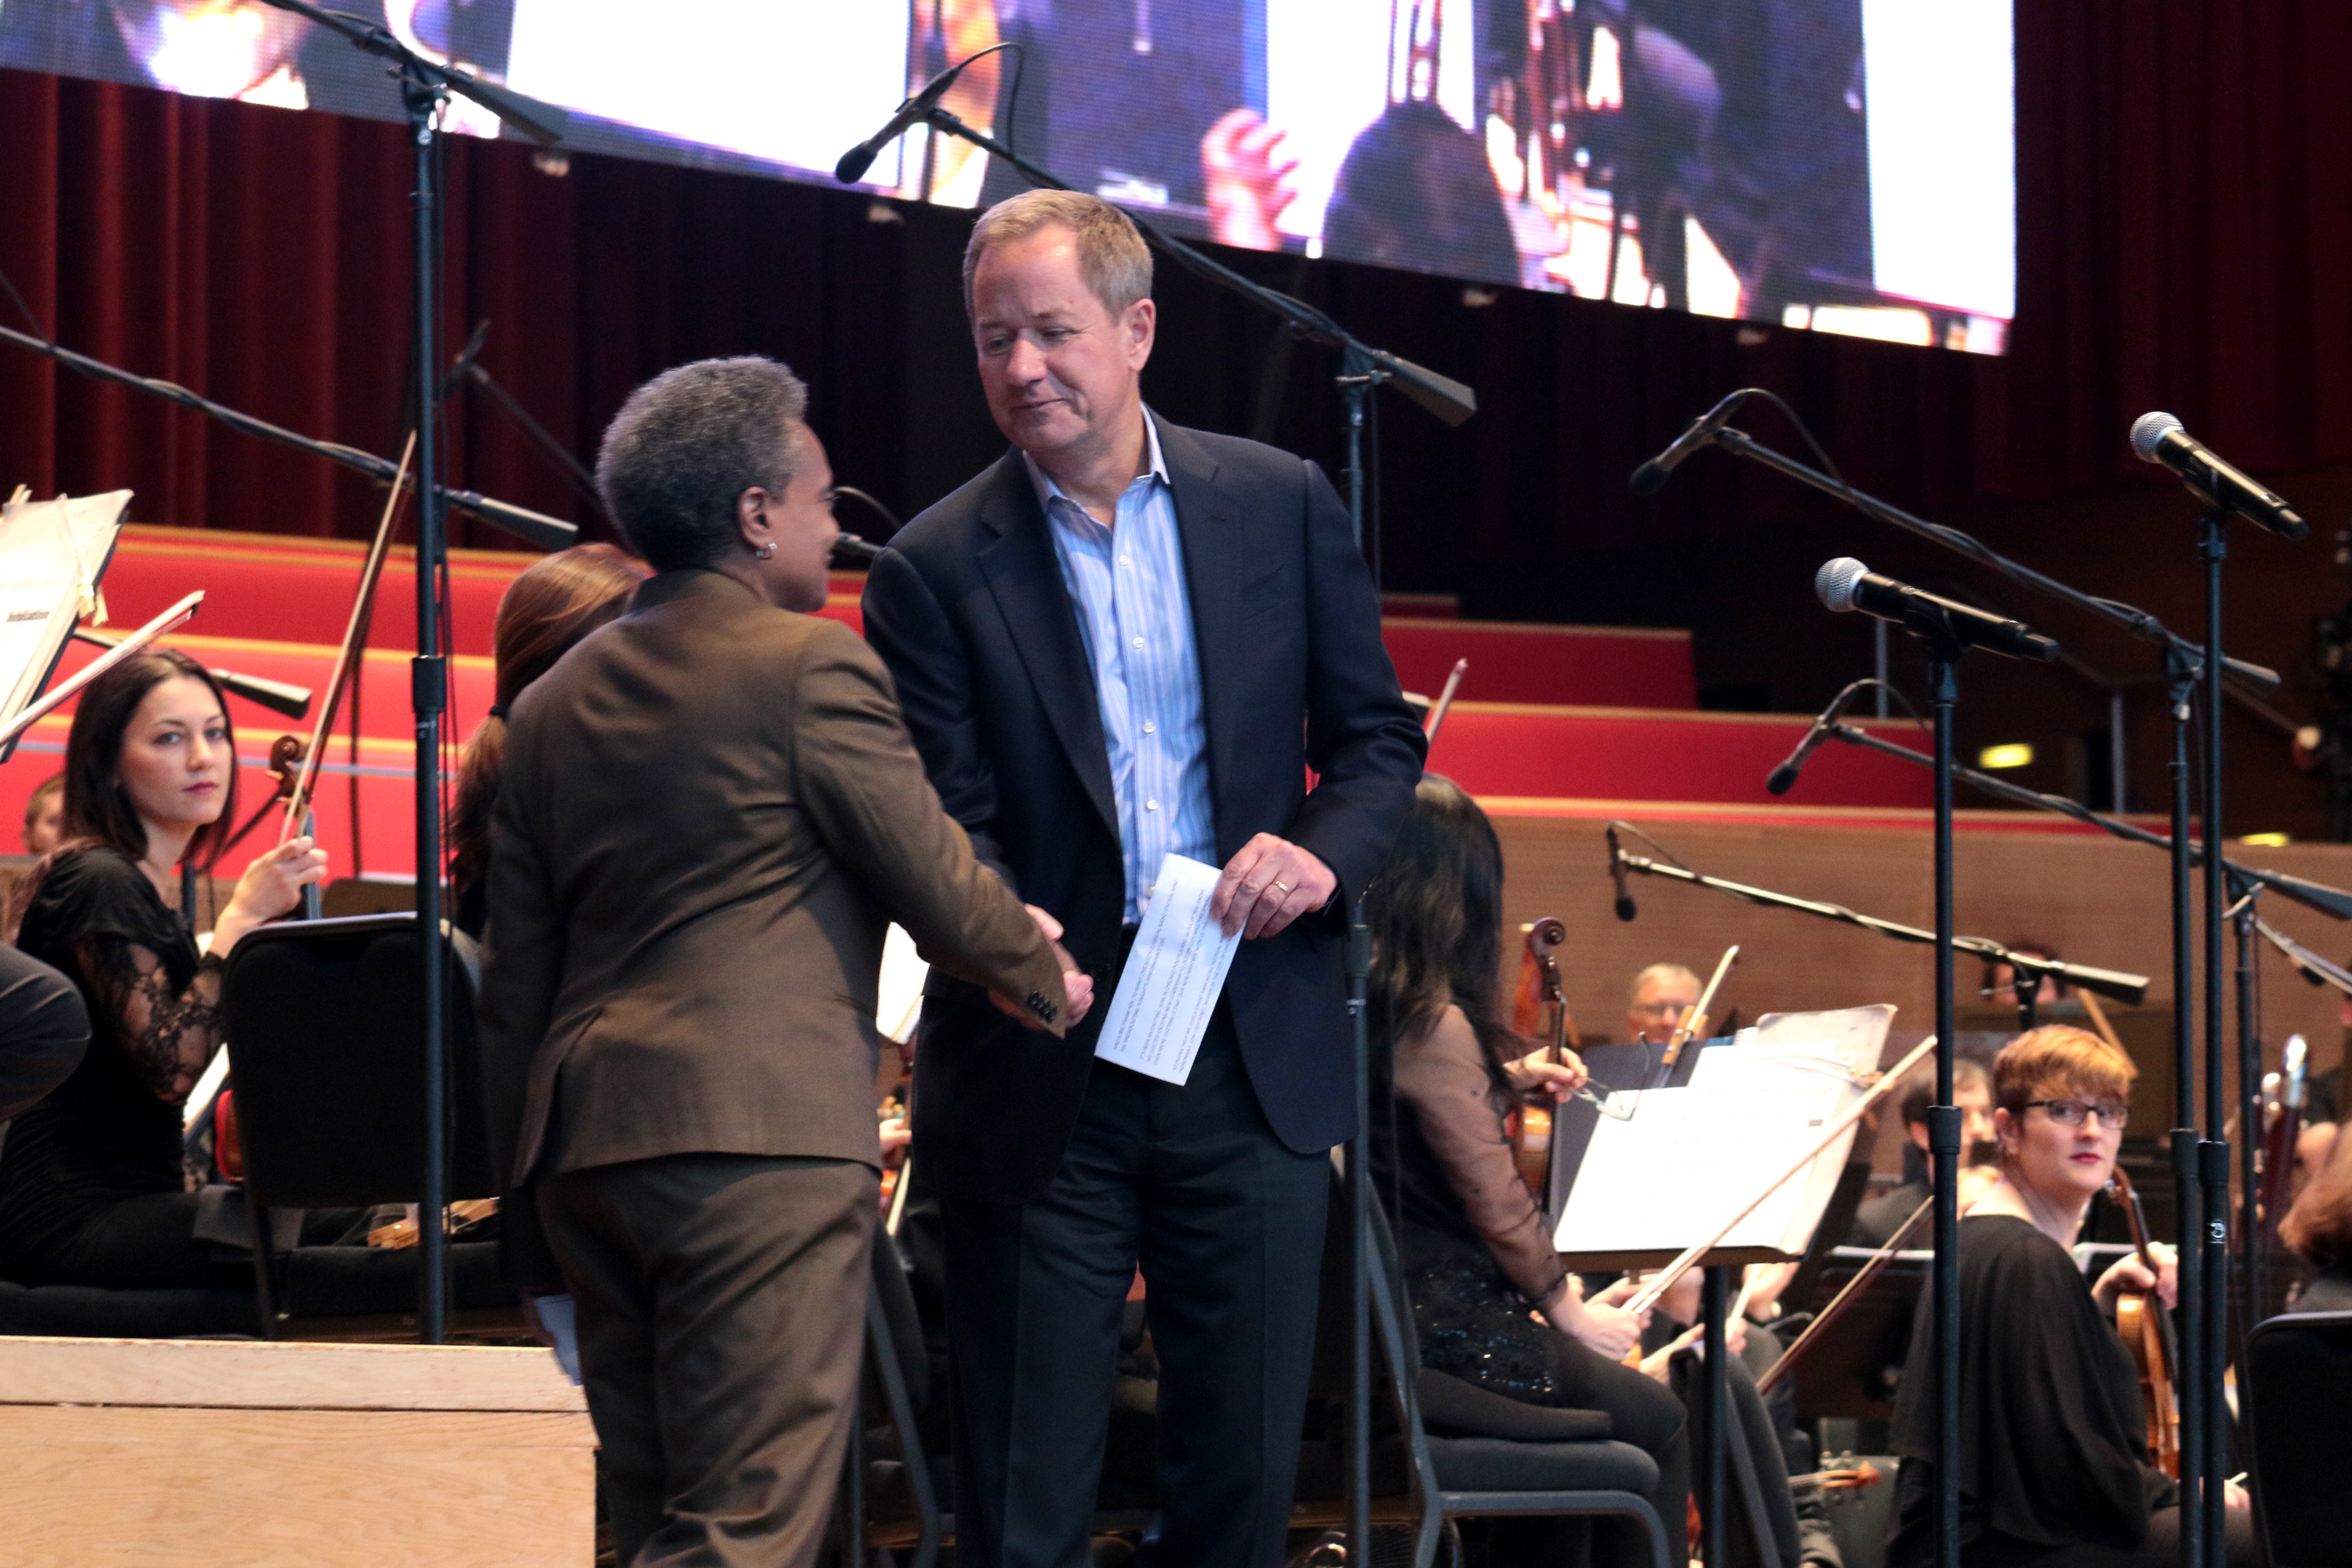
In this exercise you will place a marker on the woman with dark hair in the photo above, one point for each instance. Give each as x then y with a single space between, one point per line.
1477 1262
558 600
91 1186
2319 1227
2053 1461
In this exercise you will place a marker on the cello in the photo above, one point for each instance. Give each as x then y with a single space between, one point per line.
2146 1328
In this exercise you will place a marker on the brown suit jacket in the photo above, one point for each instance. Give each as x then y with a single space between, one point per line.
709 812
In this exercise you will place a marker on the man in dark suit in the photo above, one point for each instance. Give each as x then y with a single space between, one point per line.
710 811
1127 639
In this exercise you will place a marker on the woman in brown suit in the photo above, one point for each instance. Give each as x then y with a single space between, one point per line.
709 813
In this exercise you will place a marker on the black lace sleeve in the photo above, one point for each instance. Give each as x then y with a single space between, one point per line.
170 1036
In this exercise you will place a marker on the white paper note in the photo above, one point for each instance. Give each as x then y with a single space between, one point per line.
1172 977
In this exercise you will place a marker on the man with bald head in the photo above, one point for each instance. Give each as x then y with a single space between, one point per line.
1656 1002
1123 640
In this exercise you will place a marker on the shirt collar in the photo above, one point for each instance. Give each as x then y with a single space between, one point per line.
1048 491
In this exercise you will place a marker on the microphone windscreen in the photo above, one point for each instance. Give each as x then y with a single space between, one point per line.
2148 432
1834 581
1651 477
1625 906
1782 779
853 163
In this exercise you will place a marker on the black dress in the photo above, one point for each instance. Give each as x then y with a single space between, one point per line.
2053 1458
93 1190
1476 1258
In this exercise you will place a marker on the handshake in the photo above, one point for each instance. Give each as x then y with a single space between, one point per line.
1077 985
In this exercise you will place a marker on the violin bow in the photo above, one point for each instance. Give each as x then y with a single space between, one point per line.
1437 709
174 617
1695 1018
1828 1314
1661 1282
297 804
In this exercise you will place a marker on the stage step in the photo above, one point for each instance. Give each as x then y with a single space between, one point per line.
1631 667
1520 750
288 589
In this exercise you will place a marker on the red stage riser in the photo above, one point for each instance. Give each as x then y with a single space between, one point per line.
1631 668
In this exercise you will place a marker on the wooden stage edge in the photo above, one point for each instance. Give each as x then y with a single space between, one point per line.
157 1452
2021 878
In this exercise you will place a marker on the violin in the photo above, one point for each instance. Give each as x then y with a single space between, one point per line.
2146 1331
1540 1005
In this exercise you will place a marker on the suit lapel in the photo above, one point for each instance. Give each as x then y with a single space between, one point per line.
1209 526
1026 580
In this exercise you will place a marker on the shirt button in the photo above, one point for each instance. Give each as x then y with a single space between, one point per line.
1125 561
1139 642
1148 727
1151 805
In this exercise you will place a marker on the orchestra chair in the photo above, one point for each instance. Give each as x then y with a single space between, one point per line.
325 1022
2298 1386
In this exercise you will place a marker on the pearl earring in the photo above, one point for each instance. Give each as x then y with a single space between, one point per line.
764 551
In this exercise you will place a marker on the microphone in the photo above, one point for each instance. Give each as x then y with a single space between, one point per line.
1651 477
858 159
1846 584
463 366
849 547
1625 911
2159 438
1782 778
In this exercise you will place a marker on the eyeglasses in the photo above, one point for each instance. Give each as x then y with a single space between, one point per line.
2069 1112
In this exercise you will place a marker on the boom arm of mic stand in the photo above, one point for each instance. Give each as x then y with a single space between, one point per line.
2333 902
2139 623
1446 398
2122 987
531 527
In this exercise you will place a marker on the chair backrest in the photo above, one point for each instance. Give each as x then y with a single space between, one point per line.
2298 1386
325 1023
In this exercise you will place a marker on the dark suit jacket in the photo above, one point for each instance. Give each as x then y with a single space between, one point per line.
968 608
709 812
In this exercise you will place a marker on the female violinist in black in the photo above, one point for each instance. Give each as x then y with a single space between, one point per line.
1477 1262
2054 1467
93 1190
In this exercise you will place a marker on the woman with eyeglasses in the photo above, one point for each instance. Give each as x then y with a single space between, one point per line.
2054 1467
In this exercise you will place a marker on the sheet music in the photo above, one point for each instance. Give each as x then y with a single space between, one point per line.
1172 978
1693 1155
49 553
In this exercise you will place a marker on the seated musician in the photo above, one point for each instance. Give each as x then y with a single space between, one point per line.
2054 1464
2319 1227
1661 994
556 601
1875 1222
92 1186
1476 1254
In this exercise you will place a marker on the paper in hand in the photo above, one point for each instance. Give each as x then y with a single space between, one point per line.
1174 976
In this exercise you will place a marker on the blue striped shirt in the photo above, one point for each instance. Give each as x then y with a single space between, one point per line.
1127 584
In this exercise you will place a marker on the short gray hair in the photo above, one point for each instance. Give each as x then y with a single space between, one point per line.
1112 256
1659 972
687 443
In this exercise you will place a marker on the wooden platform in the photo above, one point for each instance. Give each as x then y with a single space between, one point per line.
159 1452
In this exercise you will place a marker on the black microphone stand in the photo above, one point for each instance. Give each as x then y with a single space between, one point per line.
2184 663
424 87
1361 366
2213 1152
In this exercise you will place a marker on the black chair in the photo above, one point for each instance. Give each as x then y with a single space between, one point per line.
325 1023
2298 1385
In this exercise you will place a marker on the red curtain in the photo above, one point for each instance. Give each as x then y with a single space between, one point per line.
2182 176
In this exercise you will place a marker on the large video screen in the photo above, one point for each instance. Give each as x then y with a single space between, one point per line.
1844 165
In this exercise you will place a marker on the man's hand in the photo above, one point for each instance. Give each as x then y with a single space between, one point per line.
1077 985
1268 884
1533 1073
